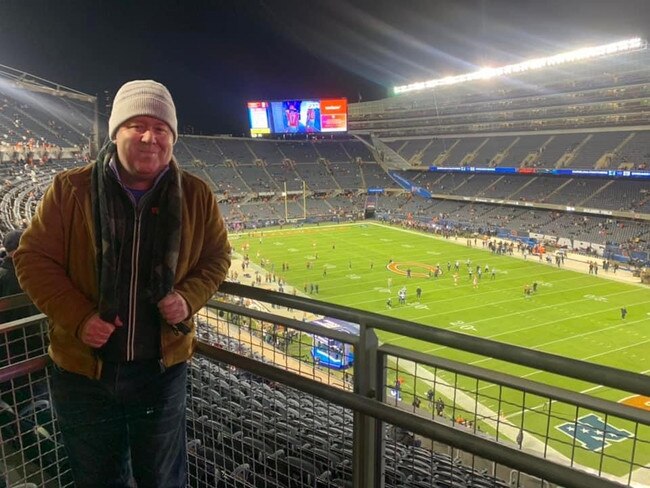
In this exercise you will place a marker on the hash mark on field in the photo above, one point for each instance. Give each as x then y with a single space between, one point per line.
523 329
509 300
497 292
572 337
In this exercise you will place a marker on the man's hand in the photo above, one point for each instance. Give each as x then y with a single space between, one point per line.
95 332
173 308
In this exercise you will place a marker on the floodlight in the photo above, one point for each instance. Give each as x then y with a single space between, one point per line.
532 64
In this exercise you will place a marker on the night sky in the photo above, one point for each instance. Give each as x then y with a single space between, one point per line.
216 55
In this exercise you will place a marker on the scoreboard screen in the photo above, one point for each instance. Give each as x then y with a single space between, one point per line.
310 116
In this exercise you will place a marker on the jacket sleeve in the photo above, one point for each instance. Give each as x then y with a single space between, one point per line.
208 239
43 258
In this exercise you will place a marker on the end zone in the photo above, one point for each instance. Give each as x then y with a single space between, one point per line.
637 401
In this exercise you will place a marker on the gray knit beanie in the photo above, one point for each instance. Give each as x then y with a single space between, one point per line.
142 97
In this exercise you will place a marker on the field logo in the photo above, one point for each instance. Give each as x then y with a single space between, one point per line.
592 433
426 270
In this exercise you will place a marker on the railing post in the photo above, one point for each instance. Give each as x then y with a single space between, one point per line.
368 457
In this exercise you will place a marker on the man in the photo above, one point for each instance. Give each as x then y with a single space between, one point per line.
430 395
18 345
293 117
440 407
120 255
416 402
401 294
23 343
8 281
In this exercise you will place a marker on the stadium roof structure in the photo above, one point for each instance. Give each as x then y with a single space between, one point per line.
41 85
614 48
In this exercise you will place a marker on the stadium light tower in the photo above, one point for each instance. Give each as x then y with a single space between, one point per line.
532 64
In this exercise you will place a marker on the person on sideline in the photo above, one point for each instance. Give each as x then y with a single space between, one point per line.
120 255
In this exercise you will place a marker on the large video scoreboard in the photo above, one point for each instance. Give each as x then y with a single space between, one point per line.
311 116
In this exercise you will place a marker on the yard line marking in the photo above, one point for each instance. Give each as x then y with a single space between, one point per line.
481 295
588 390
596 331
602 353
523 329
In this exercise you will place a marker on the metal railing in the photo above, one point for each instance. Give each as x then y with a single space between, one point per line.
263 412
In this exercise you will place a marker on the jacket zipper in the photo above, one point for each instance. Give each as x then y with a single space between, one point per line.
133 285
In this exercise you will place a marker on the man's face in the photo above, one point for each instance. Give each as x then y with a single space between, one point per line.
144 148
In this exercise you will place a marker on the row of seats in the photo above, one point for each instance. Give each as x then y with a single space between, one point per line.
245 431
43 119
25 186
601 92
476 217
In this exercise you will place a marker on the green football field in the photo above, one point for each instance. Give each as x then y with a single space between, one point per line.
571 314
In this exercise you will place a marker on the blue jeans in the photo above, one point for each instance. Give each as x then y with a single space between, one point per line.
126 428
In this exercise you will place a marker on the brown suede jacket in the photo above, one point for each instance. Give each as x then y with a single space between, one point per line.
56 266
